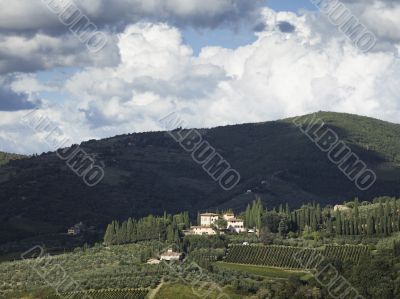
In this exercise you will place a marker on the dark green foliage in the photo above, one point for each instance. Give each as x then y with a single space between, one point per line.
266 236
205 257
166 228
375 278
191 243
283 227
396 248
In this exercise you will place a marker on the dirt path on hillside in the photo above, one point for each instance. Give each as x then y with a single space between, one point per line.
153 293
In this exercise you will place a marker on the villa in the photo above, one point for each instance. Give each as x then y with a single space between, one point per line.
207 219
236 225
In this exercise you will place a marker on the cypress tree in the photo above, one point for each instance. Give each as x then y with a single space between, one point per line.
170 234
346 227
386 220
129 230
370 225
121 234
134 236
388 213
109 235
303 218
339 224
381 218
298 220
329 228
186 220
318 214
308 215
247 217
314 226
287 209
396 217
255 213
356 223
115 225
177 239
282 228
351 226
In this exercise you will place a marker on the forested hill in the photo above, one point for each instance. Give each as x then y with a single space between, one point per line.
149 173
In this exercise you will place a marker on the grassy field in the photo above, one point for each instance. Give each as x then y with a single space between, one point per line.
264 271
181 291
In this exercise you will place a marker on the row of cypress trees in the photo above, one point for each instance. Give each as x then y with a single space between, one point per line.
381 218
165 228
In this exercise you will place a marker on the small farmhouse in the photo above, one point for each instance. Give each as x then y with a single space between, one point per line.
170 255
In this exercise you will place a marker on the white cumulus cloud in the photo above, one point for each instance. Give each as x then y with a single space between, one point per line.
283 73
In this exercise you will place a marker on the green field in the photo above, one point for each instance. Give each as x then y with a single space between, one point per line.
263 271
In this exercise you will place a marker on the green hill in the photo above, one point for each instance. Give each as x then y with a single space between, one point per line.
149 173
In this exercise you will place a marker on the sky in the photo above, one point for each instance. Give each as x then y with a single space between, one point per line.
213 62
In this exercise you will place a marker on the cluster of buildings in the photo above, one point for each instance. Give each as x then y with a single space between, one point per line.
208 224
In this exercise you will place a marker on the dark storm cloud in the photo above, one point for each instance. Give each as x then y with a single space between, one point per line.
25 54
33 38
29 16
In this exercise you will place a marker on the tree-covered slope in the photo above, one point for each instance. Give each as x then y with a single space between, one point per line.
149 173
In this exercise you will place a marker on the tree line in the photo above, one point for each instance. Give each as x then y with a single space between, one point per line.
381 218
165 228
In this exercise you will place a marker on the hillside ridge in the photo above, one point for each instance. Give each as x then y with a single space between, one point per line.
150 173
